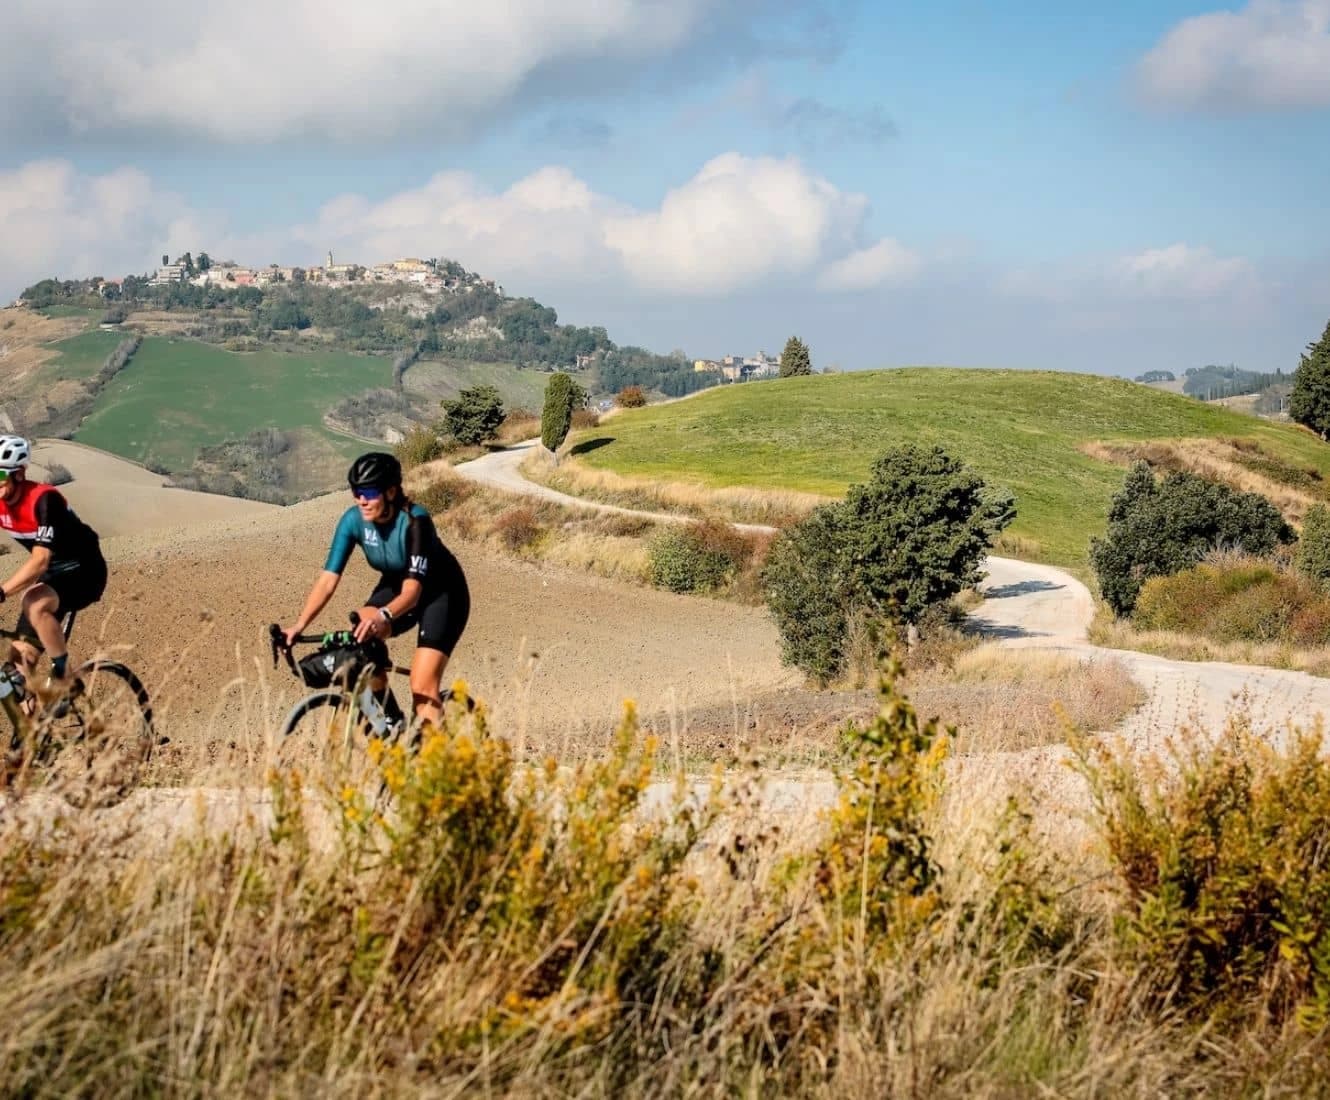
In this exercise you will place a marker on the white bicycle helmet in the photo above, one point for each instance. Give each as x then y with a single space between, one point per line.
14 452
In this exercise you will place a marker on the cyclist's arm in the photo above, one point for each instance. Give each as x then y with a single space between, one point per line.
28 572
319 595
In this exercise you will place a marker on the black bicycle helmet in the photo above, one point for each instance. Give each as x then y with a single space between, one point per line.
376 470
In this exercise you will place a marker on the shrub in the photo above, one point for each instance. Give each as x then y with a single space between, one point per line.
908 540
630 397
58 474
518 425
812 590
585 418
1158 528
517 528
1313 557
474 415
1236 600
1221 862
443 493
421 445
682 560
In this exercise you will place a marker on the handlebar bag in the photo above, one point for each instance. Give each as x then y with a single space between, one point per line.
339 661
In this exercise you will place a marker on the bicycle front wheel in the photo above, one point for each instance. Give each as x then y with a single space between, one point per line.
321 728
101 735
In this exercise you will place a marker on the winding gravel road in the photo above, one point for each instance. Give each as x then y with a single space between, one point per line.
1030 605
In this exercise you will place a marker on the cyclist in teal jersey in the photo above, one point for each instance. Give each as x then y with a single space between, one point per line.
421 583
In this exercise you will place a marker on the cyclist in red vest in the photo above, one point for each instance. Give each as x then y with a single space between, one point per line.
65 570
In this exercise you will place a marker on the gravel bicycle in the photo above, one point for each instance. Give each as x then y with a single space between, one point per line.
93 742
344 707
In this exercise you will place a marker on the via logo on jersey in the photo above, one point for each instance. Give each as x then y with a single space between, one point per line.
45 534
419 564
371 537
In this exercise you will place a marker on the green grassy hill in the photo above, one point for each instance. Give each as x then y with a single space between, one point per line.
1019 429
179 395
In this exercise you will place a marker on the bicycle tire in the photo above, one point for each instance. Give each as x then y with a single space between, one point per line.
321 728
101 736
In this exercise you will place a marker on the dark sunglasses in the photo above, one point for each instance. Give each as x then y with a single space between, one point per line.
366 493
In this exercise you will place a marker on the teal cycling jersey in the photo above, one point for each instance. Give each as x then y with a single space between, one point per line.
406 547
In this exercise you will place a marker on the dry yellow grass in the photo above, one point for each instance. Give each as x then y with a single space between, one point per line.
1113 633
1215 460
776 508
1006 700
518 426
540 937
22 332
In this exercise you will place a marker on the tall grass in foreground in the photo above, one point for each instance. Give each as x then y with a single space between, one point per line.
507 931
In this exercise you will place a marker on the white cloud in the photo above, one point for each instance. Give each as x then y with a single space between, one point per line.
55 221
1182 271
740 221
1271 54
340 69
1171 274
886 261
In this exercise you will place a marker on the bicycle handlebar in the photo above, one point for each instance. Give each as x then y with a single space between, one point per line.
277 639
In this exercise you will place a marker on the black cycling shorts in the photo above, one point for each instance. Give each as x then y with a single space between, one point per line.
75 588
441 614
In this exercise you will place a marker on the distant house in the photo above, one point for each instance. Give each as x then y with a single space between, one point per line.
168 273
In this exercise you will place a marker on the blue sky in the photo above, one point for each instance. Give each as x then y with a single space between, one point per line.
1039 185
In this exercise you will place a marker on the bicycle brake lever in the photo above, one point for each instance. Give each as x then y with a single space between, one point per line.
278 640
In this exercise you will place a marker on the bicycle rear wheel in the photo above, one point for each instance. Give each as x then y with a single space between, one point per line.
100 736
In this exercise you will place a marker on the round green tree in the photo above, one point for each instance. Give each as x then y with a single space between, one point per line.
910 538
795 360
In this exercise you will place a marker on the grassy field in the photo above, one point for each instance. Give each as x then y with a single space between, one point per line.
437 380
178 395
83 355
1020 429
81 313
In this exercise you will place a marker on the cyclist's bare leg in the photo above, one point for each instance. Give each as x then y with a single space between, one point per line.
40 604
426 674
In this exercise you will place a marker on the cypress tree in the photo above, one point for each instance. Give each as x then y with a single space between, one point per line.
557 415
1309 403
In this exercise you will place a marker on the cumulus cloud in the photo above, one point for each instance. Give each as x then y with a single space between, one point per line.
247 71
55 221
738 222
1272 54
885 262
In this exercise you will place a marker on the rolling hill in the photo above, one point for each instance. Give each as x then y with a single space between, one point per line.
1028 431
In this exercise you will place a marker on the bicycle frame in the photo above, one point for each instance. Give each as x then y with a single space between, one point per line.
359 695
